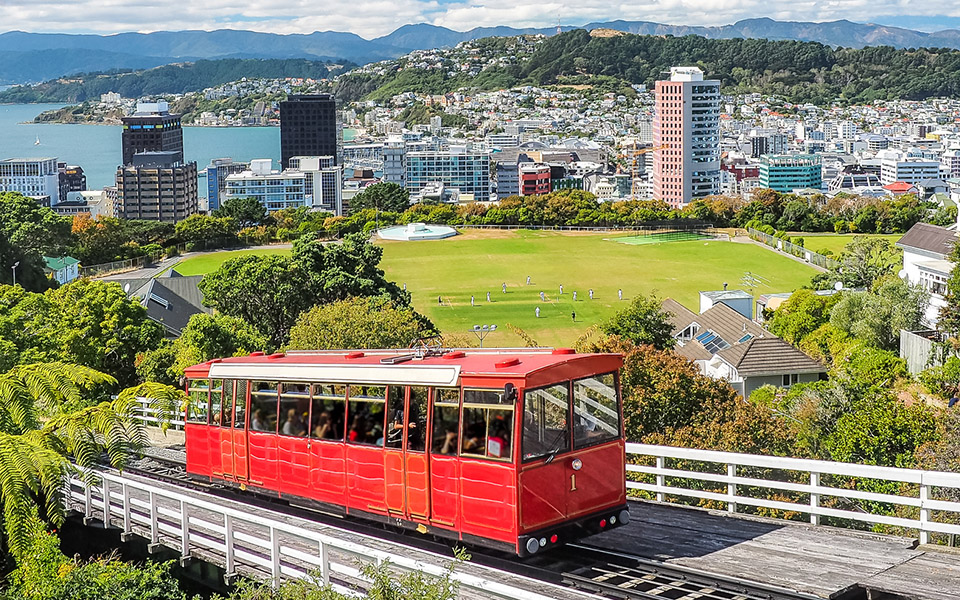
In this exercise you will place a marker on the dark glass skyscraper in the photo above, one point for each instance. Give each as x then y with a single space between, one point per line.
151 129
308 127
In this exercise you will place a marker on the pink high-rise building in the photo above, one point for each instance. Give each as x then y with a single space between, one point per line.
686 129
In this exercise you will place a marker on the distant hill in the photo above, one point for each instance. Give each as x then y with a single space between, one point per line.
798 71
70 53
169 79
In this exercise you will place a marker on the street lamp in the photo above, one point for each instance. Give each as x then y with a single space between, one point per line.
482 331
15 265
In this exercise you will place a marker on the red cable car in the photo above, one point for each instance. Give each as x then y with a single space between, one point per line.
515 450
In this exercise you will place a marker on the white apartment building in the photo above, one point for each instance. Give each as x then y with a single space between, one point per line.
466 171
274 189
908 167
686 128
950 162
34 177
323 183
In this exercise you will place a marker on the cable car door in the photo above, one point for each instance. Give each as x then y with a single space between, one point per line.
239 450
407 477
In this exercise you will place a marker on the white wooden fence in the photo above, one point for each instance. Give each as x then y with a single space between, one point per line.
260 541
675 468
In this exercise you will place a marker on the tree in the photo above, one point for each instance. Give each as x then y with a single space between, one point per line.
802 314
87 322
51 424
350 268
385 197
204 338
245 212
268 292
876 317
45 573
863 261
30 273
32 227
661 389
357 323
642 322
207 231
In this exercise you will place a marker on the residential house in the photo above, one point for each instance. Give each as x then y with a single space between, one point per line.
170 301
64 269
926 249
727 345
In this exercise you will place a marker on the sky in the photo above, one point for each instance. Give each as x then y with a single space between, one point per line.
372 18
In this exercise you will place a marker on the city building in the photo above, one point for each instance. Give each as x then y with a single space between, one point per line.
217 172
72 179
308 127
394 161
503 140
468 172
534 179
908 167
157 186
323 183
785 173
926 263
64 268
686 135
151 129
853 177
36 178
274 189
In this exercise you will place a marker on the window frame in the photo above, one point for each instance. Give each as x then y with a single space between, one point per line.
433 419
276 404
368 400
619 410
488 406
568 422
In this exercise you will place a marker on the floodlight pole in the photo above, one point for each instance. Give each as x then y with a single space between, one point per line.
15 265
482 331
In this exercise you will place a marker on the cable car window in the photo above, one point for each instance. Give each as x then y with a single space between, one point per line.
487 424
329 406
446 421
545 418
365 411
263 406
240 404
596 410
216 400
198 399
227 403
417 419
294 409
395 417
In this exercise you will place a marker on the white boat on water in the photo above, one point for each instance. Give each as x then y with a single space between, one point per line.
37 143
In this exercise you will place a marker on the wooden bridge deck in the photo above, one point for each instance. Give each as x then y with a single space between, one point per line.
818 560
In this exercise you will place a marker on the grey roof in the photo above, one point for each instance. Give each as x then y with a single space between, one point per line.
679 312
930 238
719 295
170 301
926 183
769 356
720 319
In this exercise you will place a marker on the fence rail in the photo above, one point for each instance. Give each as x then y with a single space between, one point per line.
674 469
259 542
677 225
810 256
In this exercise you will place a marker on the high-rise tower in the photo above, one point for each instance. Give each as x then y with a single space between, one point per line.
686 133
151 129
308 127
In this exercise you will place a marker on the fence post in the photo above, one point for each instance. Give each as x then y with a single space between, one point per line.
275 557
154 525
126 510
661 480
228 542
106 503
87 500
924 513
814 497
185 530
731 489
324 563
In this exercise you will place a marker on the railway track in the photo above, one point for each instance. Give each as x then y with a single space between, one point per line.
598 571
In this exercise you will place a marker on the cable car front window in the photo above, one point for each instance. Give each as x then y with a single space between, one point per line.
596 410
545 417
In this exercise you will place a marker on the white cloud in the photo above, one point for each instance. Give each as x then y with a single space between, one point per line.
371 18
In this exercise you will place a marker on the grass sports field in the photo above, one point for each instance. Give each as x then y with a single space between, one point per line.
481 261
661 237
204 263
836 243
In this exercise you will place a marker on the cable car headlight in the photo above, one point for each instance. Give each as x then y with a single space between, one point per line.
577 464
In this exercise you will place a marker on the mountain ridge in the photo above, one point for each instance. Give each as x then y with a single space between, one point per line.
93 52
